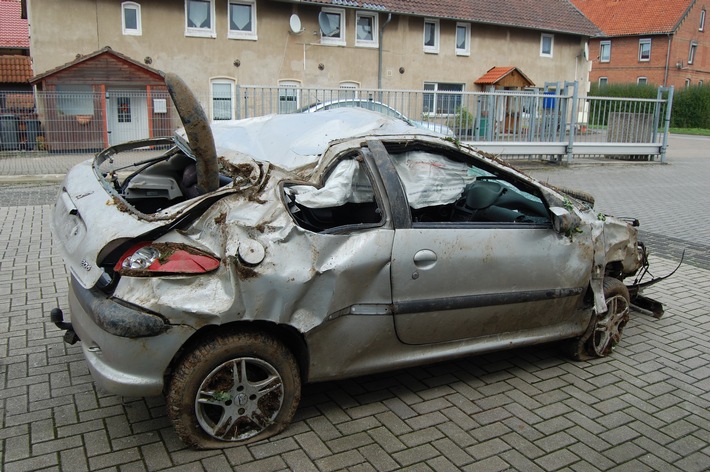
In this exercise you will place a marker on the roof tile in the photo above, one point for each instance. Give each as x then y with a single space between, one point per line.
15 69
631 17
546 15
14 32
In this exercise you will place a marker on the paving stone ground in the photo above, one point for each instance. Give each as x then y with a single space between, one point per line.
646 407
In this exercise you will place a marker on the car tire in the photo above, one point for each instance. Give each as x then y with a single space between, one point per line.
605 329
232 390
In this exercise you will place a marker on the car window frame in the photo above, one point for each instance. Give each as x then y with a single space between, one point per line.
402 212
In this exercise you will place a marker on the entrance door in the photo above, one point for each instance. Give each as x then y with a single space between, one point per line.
127 116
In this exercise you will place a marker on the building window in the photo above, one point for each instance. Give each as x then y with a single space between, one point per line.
431 36
463 39
641 81
691 52
75 99
644 49
603 81
547 43
199 18
348 90
131 18
288 96
366 30
441 100
332 26
222 99
702 20
605 51
700 83
241 16
687 83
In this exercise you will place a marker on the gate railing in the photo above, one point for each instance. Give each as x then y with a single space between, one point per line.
552 122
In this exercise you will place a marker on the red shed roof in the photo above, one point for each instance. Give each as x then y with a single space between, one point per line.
15 69
632 17
14 32
496 74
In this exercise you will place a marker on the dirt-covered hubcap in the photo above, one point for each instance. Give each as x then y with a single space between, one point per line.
239 399
608 329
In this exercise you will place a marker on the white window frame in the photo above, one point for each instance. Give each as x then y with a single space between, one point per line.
642 43
138 30
433 49
232 95
466 50
603 81
348 89
339 41
642 80
702 20
436 94
691 52
544 36
238 34
687 83
201 32
700 83
365 43
602 45
289 85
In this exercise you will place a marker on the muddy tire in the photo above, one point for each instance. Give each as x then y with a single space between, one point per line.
232 390
605 329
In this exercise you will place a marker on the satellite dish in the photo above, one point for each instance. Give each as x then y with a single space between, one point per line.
328 29
294 24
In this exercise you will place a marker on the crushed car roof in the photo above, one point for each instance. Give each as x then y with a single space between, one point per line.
296 141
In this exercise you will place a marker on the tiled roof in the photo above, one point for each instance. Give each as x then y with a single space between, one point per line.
13 30
630 17
494 75
15 69
546 15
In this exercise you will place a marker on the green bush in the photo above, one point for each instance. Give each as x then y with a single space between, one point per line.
691 105
691 108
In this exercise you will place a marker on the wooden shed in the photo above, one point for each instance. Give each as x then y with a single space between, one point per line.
506 78
101 99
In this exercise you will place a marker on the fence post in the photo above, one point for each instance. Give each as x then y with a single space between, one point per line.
573 118
238 93
669 106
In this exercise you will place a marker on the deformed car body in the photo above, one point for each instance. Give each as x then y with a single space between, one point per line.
322 246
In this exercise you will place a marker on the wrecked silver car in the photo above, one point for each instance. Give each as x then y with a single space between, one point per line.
316 247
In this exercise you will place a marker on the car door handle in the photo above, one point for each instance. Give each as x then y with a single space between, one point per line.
425 259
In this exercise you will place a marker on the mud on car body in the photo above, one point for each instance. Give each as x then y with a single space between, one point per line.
316 247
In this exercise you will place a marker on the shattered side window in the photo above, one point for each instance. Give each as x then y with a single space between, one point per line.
443 190
346 199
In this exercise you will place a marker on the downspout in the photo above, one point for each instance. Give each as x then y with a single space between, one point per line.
668 59
379 51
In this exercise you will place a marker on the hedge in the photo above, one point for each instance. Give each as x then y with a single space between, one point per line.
691 105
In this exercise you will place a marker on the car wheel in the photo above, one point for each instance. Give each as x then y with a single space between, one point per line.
605 329
232 390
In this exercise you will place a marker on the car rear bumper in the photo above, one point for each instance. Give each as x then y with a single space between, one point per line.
129 366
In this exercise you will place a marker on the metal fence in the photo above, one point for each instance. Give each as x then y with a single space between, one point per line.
553 122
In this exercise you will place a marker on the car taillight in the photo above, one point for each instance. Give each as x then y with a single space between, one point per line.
145 259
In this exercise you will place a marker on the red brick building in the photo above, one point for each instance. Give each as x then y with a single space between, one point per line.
660 42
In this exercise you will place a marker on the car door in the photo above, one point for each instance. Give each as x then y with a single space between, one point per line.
455 280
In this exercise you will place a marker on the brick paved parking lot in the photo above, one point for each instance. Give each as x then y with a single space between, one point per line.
647 407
